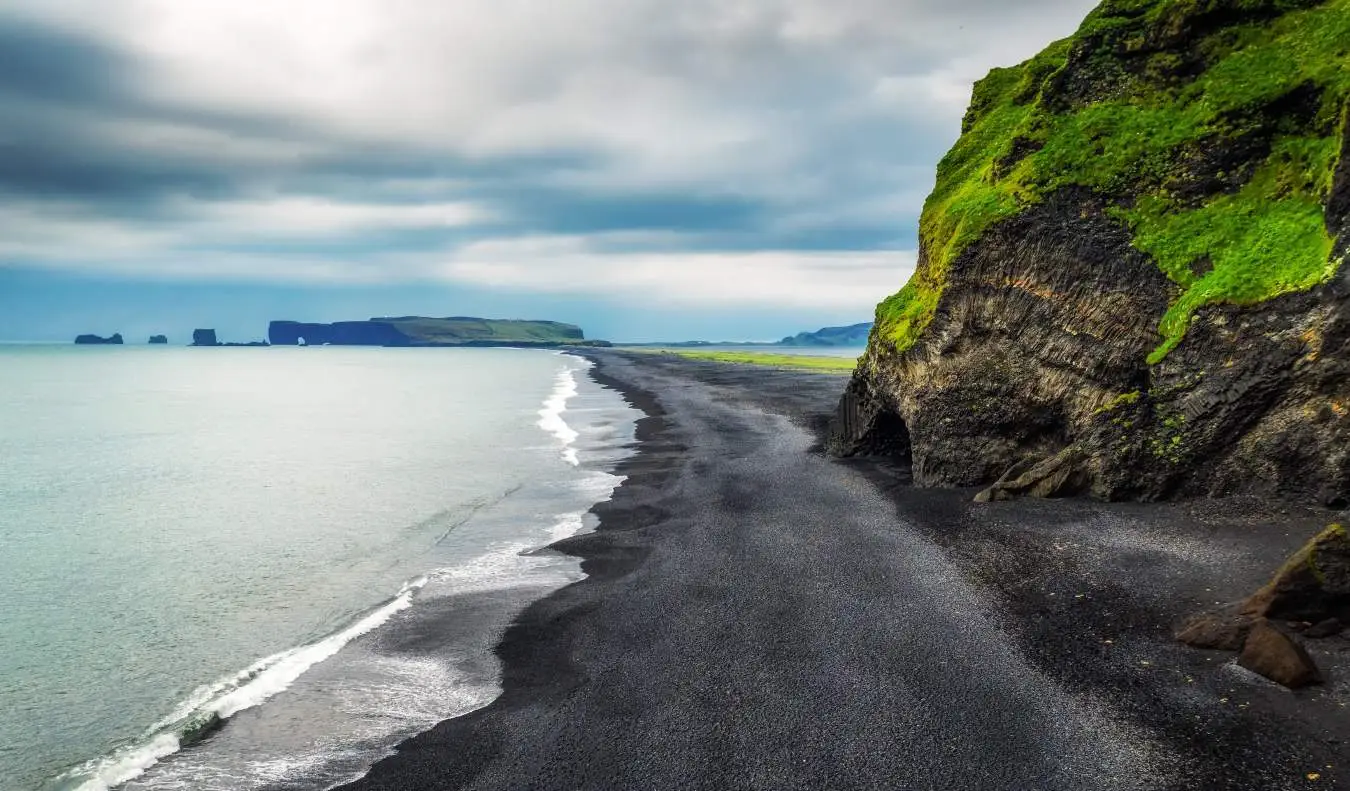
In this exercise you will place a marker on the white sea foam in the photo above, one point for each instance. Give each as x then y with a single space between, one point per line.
412 694
229 696
551 415
126 763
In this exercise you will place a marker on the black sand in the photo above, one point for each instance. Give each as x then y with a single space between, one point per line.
760 616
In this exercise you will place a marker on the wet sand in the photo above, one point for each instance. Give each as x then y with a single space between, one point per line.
760 616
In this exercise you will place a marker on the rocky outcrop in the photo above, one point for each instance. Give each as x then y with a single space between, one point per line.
1130 278
1309 594
1313 586
421 331
204 338
342 333
159 339
95 340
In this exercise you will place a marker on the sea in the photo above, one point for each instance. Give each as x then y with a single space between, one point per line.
262 568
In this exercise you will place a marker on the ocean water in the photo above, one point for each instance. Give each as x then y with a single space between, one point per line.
317 546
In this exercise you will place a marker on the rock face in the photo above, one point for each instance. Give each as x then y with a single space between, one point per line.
204 338
94 340
158 339
421 331
1130 277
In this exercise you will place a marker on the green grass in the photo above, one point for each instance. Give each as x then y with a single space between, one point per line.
810 362
460 329
1130 145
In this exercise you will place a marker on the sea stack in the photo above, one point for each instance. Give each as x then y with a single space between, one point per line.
1131 273
204 338
157 339
94 340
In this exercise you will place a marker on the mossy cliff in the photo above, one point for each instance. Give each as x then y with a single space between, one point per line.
1130 268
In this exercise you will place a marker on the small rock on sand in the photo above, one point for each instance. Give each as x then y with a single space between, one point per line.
1278 656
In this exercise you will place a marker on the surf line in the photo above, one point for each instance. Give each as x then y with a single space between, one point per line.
207 708
551 415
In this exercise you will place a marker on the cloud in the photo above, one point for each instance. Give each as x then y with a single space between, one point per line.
718 151
771 278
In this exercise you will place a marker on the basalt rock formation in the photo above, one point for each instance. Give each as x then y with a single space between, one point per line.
205 338
1130 277
95 340
421 331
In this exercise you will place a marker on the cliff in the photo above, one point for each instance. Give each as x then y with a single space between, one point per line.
421 331
94 340
852 335
1130 276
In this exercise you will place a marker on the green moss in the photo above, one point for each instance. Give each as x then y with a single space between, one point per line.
1138 144
1123 400
1333 533
1167 443
1259 248
967 200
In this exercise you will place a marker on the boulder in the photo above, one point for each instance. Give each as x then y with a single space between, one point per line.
1224 630
1328 628
1056 476
1278 656
1311 590
1313 585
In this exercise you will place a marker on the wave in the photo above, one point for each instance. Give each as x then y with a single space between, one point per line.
550 417
209 705
504 564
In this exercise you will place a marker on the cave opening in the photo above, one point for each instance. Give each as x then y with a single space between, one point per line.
888 438
864 428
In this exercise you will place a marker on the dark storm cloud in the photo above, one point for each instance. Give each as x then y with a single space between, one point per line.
455 140
41 62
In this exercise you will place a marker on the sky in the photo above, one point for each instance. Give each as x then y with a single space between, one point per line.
648 169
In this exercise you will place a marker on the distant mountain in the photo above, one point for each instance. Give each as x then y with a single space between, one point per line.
852 335
423 331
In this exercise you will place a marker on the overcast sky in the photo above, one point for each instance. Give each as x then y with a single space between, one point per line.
652 169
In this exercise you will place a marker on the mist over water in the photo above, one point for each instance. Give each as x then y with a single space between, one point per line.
256 533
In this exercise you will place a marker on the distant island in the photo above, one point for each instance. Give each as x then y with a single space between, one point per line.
423 331
158 339
94 340
208 338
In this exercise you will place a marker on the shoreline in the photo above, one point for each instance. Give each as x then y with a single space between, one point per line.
521 677
642 672
221 728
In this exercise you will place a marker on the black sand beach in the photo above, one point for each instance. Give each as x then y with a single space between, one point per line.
760 616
